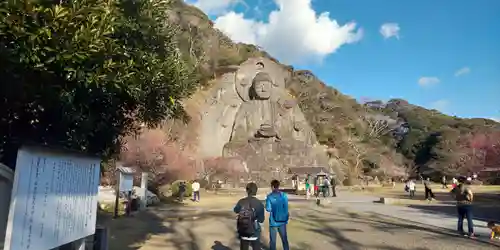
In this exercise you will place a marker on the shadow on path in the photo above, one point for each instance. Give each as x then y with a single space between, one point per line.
345 237
129 233
481 210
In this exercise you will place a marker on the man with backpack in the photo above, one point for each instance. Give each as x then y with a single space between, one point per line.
250 214
277 206
464 196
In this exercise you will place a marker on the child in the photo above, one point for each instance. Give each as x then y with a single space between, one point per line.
495 230
308 189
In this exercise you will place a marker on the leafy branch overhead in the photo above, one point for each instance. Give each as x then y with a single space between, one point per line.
83 74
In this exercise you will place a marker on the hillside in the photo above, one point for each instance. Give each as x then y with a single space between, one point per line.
362 139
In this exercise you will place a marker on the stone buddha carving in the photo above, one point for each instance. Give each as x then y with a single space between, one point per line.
267 121
257 116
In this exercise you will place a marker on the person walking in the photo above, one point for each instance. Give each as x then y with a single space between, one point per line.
251 214
464 197
333 184
429 195
277 206
443 182
411 187
196 190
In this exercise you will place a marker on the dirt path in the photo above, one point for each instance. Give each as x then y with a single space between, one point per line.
212 227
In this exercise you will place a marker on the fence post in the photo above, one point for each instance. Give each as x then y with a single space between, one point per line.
144 191
101 238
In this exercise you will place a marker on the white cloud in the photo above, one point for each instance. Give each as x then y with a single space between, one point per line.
389 30
497 119
294 31
428 81
215 7
440 104
462 71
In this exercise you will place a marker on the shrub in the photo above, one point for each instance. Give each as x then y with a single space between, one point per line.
175 188
109 208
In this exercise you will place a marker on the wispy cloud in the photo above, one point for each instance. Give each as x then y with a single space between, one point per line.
425 81
462 71
440 105
389 30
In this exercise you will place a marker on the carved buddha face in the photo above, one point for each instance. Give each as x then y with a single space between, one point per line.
262 86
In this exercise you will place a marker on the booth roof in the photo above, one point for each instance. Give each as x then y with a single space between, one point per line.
308 170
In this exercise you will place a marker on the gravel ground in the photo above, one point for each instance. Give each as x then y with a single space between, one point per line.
310 228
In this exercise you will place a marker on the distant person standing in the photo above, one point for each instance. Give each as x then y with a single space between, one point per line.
326 187
429 195
294 181
277 206
182 191
308 189
411 187
196 190
464 197
443 182
333 184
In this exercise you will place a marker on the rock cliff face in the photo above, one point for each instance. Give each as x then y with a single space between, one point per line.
249 114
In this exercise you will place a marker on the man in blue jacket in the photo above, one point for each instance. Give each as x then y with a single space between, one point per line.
277 206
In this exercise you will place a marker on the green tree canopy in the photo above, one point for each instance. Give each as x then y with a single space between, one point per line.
83 74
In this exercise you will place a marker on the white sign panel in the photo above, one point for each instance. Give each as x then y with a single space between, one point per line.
54 200
126 182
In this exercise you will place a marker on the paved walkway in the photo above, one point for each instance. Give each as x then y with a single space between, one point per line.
366 204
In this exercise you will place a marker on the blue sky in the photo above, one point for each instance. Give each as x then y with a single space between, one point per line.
436 39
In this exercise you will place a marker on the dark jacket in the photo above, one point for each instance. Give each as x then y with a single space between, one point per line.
333 182
259 209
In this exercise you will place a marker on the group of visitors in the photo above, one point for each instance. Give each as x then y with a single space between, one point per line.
327 187
410 187
195 186
251 213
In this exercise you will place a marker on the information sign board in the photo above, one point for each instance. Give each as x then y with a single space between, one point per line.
54 199
126 182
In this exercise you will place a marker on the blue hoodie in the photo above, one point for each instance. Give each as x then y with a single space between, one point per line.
270 199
